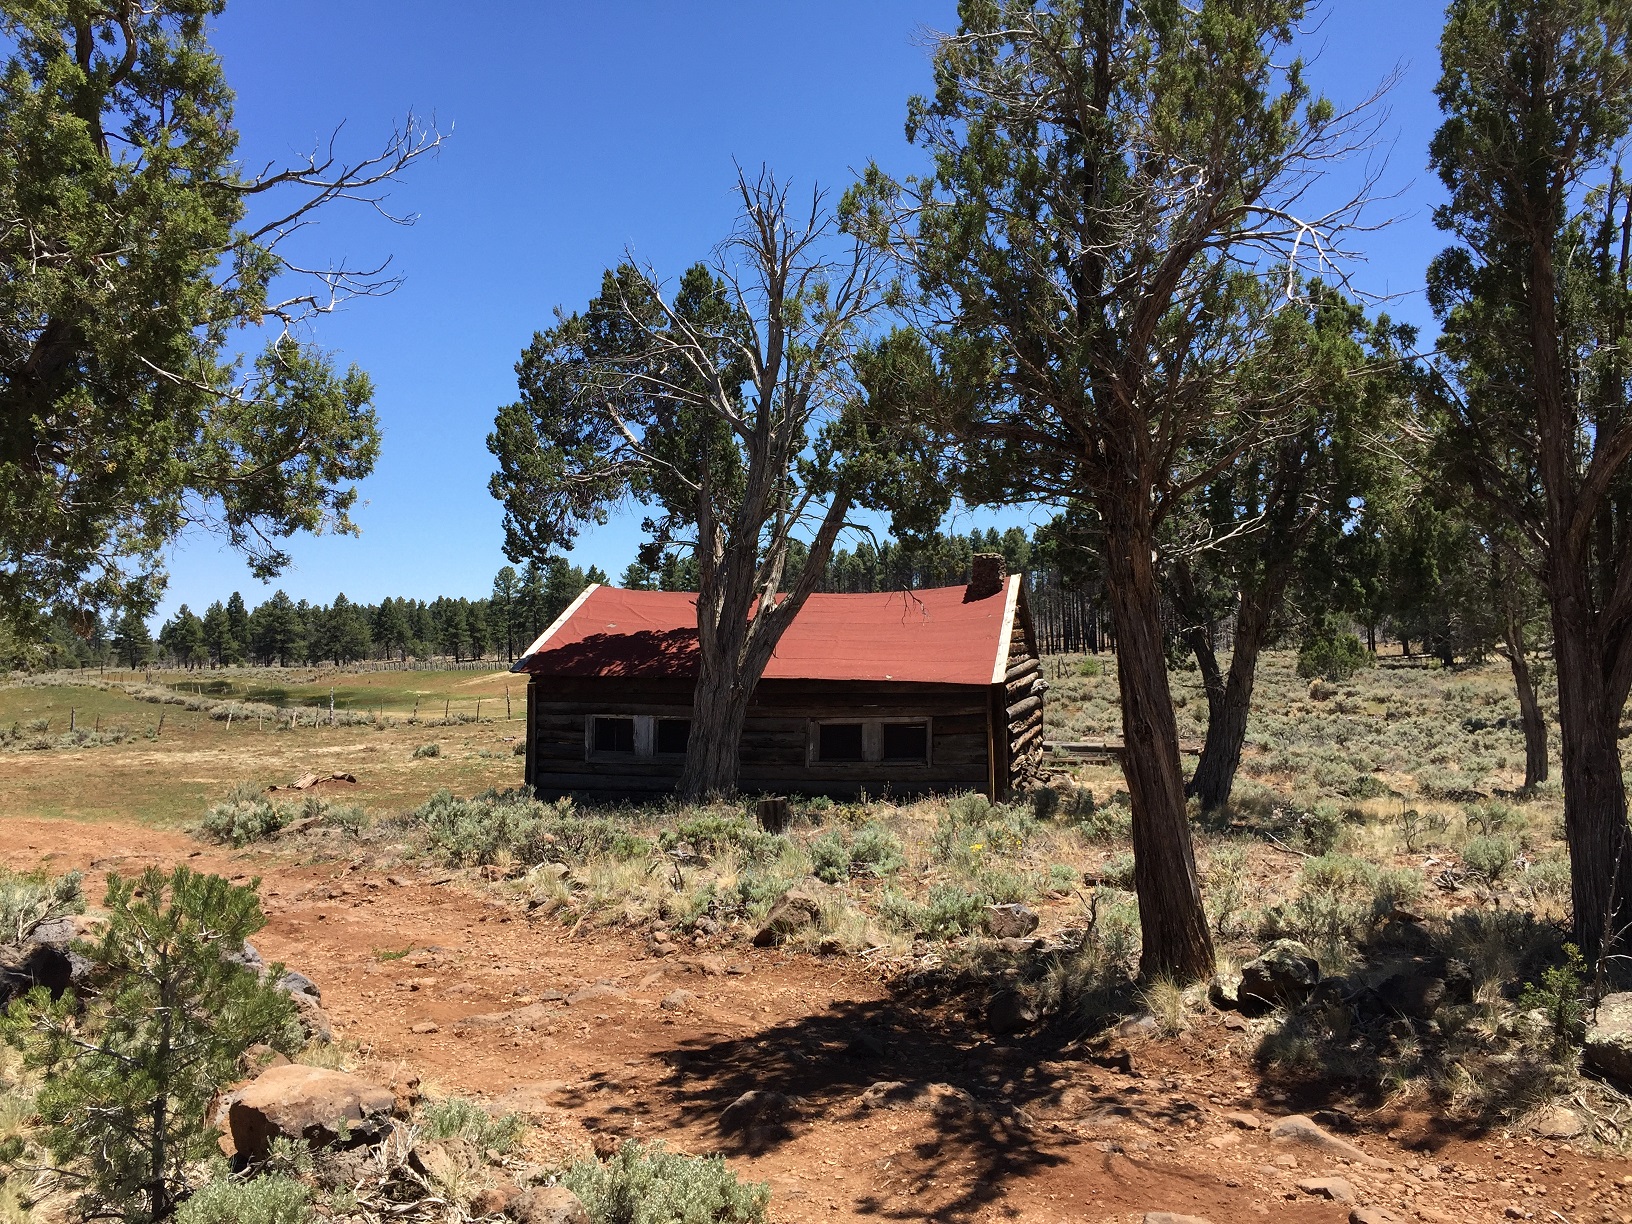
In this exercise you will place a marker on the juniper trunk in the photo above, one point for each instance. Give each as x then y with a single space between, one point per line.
719 707
1595 823
1531 719
1227 716
1176 941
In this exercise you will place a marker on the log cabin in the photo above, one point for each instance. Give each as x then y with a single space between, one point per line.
902 693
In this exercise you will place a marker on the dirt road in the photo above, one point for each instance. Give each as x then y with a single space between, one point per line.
599 1035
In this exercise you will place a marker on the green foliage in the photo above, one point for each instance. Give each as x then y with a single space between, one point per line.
247 815
838 854
1321 827
711 833
1331 652
269 1199
129 1070
1559 998
461 1118
426 751
1088 668
1489 857
26 900
648 1184
137 389
241 820
973 828
514 825
948 911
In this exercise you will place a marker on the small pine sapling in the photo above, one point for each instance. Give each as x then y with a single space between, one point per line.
129 1069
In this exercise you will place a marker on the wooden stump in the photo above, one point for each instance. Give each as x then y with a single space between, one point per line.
773 815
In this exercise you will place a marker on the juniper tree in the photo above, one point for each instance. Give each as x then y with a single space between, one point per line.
1534 300
134 269
1111 225
732 407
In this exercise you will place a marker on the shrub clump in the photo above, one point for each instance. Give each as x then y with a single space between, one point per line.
461 1118
1331 652
269 1199
648 1184
871 850
27 900
712 833
427 750
515 827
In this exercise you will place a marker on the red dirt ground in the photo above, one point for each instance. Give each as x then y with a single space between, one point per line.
1038 1131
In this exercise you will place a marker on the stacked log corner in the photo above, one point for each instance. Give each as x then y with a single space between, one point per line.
1021 697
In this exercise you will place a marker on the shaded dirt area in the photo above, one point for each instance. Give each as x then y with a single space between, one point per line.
598 1038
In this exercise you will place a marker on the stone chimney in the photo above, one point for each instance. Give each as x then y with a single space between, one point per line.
986 574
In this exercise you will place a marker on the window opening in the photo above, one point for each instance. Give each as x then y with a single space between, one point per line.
615 735
904 742
840 742
673 735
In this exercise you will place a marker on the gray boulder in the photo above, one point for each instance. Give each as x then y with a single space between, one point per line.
1608 1046
1282 975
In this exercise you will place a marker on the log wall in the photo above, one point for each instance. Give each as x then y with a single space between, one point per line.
775 740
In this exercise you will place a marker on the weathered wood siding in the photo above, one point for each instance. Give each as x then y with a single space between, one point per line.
775 740
1017 703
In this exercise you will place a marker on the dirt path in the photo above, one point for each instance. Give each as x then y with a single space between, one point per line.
599 1037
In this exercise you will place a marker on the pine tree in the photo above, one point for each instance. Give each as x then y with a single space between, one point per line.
235 643
132 643
129 1068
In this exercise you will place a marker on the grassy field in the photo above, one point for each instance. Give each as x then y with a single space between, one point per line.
131 767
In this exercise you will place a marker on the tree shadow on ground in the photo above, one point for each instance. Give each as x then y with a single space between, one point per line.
981 1103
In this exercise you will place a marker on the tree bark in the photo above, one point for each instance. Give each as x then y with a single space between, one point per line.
1595 817
1531 720
1227 717
1176 940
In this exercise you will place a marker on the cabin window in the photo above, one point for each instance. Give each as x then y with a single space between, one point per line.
672 736
615 735
904 742
872 741
641 736
840 742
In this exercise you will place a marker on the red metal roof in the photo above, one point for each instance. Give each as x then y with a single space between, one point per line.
921 637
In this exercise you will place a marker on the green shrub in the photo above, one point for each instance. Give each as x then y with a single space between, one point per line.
1559 998
27 900
1331 651
427 750
949 911
128 1070
240 820
513 824
1488 857
973 828
872 850
648 1184
1045 802
1493 817
270 1199
1088 668
462 1118
712 833
1321 827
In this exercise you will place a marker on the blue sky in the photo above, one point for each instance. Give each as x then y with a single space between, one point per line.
579 130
